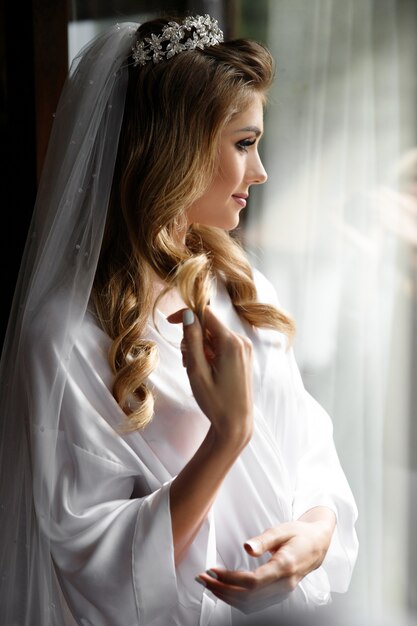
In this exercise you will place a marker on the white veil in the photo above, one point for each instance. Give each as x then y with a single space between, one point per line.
61 255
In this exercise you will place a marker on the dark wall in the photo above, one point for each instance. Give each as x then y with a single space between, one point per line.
18 172
33 68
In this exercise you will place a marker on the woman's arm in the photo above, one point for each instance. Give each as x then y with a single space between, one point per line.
219 366
220 372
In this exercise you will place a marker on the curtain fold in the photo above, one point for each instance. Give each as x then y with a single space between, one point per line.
335 231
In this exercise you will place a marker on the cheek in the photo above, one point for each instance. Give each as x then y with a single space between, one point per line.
230 176
219 186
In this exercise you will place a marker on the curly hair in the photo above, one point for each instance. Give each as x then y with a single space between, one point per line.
174 114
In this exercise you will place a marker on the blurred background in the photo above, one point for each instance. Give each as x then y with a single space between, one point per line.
334 228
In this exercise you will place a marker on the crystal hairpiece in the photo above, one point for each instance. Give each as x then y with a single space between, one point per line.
207 33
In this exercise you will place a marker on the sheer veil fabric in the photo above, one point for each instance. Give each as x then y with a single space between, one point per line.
55 391
61 254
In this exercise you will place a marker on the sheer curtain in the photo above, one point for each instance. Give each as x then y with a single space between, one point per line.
335 230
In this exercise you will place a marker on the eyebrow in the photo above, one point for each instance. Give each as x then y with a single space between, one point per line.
251 129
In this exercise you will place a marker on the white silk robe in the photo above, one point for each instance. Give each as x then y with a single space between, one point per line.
114 549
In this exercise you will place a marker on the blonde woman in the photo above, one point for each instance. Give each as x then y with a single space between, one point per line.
165 463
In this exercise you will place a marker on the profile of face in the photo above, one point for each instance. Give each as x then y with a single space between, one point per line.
239 167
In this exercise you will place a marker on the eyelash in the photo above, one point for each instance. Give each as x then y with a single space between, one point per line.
245 144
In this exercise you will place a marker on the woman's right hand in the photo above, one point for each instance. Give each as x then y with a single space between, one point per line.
219 367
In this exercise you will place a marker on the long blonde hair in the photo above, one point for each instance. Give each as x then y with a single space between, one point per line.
174 113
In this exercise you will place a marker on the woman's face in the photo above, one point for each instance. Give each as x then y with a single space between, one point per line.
239 167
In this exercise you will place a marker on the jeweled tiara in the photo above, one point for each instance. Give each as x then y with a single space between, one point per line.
207 33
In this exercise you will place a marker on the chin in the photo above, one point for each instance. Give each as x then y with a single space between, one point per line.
229 223
234 225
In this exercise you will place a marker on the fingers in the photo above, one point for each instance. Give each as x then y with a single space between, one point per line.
192 345
211 321
177 317
232 578
253 594
219 368
188 319
270 540
216 337
220 335
279 569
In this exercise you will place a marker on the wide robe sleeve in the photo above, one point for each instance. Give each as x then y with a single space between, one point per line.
320 481
104 500
317 477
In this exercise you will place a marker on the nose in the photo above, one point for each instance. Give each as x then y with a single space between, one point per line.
256 173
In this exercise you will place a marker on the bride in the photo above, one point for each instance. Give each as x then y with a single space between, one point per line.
162 462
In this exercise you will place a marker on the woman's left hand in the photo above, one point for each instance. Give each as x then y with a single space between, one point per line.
296 549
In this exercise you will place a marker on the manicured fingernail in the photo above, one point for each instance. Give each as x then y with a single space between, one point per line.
187 317
212 574
199 580
253 544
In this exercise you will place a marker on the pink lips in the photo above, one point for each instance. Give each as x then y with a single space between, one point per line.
240 199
